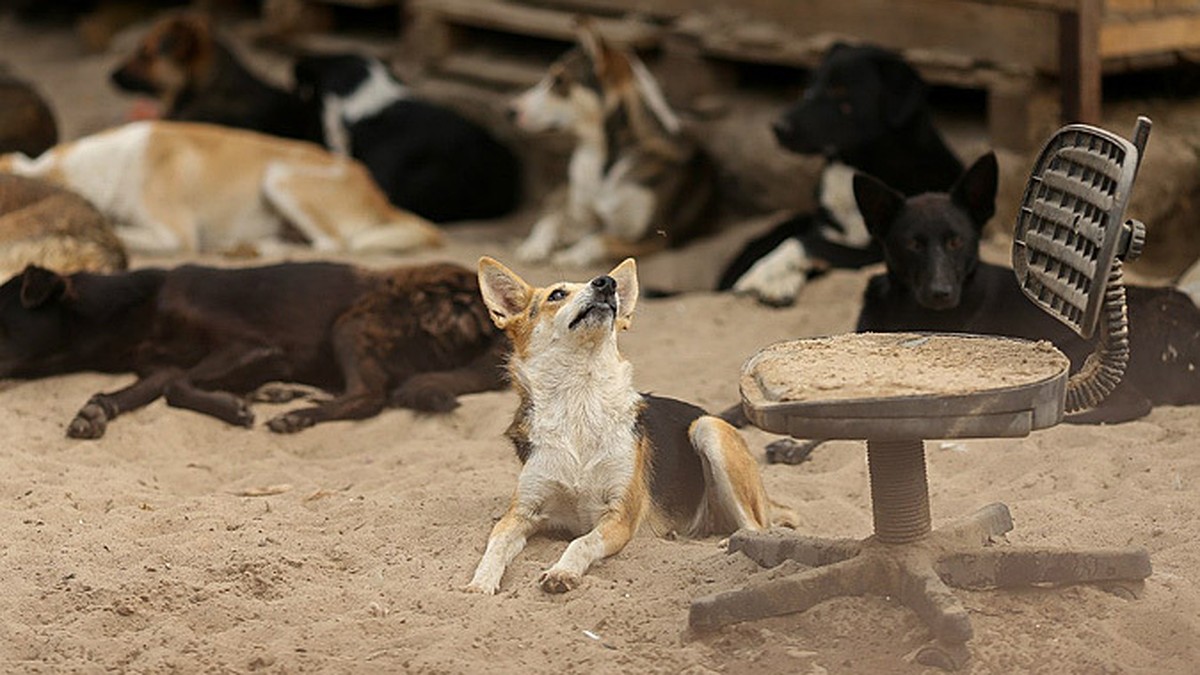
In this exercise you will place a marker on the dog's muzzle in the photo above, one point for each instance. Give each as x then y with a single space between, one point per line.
604 299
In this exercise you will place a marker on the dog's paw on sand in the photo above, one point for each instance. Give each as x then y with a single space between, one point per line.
290 423
479 589
89 422
558 581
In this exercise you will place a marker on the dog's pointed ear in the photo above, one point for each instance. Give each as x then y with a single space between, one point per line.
975 190
505 294
904 90
625 275
878 203
593 45
40 286
185 36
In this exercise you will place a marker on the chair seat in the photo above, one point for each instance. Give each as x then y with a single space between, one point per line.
891 386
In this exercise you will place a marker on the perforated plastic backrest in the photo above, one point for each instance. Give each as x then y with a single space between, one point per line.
1071 221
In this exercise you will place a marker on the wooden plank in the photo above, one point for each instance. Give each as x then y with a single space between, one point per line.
1079 62
534 21
1128 6
360 3
493 70
1145 36
990 32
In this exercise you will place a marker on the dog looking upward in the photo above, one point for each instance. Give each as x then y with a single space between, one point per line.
197 78
599 457
936 282
864 109
636 183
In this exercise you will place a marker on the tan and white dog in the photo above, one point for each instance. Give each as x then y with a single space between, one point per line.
636 183
174 187
599 457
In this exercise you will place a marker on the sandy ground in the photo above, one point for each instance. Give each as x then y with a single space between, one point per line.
178 544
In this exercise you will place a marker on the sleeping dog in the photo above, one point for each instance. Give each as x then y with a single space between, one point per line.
197 78
935 282
174 187
426 157
636 182
43 224
864 109
202 337
599 458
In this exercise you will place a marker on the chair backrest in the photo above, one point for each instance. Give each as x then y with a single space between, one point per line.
1071 225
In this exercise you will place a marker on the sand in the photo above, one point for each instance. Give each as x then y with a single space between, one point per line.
142 552
877 365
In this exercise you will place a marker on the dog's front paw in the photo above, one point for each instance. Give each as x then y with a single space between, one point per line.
588 251
534 250
242 415
290 423
481 588
425 397
776 279
558 581
89 422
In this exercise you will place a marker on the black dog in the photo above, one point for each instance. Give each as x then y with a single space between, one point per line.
864 109
427 158
197 78
935 282
200 336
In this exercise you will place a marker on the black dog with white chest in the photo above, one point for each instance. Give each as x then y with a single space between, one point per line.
864 109
936 282
426 157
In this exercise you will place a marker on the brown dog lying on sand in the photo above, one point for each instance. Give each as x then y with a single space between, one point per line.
203 337
41 224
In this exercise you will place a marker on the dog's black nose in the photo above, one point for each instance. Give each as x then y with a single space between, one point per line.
781 127
510 113
604 284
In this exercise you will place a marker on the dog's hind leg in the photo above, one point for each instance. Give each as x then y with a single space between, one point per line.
219 404
365 379
338 207
93 418
734 497
239 367
438 391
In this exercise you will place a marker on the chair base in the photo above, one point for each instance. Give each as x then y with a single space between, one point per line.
918 573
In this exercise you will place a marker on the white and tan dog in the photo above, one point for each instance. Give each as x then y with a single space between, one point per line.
599 457
636 182
174 187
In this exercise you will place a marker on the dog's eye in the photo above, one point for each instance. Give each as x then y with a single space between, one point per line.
954 242
556 295
915 245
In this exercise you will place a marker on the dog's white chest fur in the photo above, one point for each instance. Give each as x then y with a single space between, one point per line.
584 448
836 194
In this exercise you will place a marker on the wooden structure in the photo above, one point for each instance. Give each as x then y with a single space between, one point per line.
1011 48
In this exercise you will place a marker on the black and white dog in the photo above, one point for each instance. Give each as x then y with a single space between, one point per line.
427 158
864 109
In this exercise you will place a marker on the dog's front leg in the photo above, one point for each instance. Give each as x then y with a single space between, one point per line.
93 418
610 535
543 238
505 542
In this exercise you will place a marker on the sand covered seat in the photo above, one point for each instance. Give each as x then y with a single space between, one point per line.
896 390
